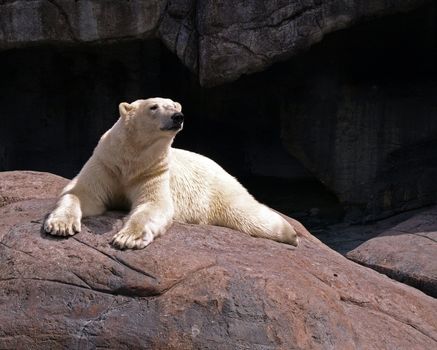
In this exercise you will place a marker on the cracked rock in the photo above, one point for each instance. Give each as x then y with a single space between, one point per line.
195 287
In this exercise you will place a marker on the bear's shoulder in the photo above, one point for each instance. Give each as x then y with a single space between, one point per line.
185 156
194 162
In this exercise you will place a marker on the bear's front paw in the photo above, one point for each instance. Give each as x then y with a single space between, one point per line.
62 224
128 239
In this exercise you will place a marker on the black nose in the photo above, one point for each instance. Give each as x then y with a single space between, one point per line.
177 117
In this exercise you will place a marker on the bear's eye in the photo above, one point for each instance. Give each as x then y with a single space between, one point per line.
154 107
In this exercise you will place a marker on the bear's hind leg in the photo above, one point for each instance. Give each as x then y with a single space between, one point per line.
249 216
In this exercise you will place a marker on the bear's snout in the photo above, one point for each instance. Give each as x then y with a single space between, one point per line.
177 118
174 123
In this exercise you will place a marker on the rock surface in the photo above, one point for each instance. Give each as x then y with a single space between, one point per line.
369 150
195 287
238 38
406 252
359 119
16 186
30 23
218 40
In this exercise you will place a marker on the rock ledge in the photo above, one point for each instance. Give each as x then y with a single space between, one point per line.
195 287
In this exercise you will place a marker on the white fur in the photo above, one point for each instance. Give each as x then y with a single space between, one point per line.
135 167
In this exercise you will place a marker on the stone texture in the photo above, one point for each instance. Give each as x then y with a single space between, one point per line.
361 118
369 150
16 186
219 40
37 22
195 287
238 38
406 252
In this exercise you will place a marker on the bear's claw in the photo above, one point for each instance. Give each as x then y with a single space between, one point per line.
125 240
61 225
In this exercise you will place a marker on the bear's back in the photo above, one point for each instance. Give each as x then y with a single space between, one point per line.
197 183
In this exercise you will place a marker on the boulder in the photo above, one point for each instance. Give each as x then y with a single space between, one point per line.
218 40
406 252
195 287
21 185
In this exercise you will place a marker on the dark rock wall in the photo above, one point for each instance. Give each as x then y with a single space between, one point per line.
363 115
358 111
218 40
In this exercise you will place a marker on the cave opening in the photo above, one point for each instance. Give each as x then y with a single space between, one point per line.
57 101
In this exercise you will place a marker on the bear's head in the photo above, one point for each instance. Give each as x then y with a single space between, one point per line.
154 116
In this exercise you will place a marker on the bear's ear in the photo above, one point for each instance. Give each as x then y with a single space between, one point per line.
124 108
179 106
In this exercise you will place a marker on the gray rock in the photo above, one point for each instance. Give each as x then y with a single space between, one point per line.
373 146
220 41
30 23
239 38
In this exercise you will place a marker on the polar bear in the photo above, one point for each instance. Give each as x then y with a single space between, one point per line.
135 167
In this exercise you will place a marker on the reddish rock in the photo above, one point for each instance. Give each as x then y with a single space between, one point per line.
196 287
406 252
19 185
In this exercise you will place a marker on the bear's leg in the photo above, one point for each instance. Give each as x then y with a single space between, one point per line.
275 227
247 215
81 197
65 219
146 221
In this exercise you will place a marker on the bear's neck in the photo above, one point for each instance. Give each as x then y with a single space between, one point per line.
133 155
